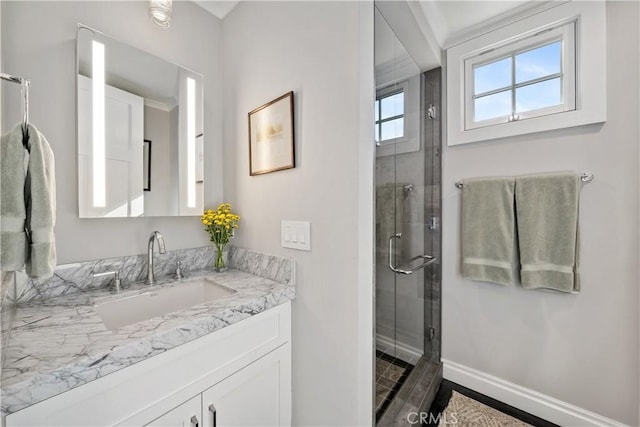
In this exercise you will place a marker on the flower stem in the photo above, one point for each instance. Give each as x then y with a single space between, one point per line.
219 263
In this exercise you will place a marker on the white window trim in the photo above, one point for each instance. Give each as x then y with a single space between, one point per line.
393 89
590 73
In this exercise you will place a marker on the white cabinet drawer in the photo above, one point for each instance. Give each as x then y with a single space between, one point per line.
186 415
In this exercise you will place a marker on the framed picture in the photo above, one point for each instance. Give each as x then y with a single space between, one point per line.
271 136
146 165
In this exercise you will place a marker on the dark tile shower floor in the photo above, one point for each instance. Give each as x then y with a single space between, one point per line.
391 373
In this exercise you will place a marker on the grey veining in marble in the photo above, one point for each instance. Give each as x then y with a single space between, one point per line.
72 278
7 312
60 343
264 265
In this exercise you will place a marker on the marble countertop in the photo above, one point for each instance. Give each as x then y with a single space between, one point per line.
60 343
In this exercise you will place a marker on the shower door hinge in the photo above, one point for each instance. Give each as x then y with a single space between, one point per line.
431 112
432 333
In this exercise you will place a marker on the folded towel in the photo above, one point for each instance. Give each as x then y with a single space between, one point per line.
488 229
13 238
547 212
40 198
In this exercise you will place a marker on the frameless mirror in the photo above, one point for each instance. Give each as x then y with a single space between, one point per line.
140 140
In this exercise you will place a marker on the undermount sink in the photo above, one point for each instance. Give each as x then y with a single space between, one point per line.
126 311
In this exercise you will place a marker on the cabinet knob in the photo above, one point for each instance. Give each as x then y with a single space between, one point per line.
194 421
212 409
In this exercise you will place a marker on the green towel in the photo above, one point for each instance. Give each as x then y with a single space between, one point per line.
13 238
28 204
40 200
547 212
488 229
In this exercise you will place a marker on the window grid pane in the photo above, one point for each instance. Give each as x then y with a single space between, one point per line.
540 95
540 62
492 76
392 105
392 129
492 106
538 83
389 117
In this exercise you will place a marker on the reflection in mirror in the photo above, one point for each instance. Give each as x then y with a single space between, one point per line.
130 101
397 107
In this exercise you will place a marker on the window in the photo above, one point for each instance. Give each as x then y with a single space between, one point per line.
532 77
543 72
390 126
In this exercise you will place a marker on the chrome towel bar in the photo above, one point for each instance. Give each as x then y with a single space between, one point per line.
24 83
585 177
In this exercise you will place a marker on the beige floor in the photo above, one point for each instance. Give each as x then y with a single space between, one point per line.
463 411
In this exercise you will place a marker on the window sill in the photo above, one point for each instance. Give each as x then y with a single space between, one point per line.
408 146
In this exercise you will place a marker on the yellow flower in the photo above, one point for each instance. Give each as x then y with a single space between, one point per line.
219 223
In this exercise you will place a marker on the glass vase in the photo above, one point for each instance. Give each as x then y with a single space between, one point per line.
221 258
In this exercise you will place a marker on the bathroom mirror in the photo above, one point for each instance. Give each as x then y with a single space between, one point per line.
140 140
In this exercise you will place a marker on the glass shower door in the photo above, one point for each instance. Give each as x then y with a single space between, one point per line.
407 223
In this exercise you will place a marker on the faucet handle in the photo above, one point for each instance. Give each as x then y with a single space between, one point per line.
179 270
116 278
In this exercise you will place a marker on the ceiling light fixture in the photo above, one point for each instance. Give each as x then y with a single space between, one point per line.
160 12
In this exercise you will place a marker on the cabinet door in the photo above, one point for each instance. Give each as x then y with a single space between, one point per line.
188 414
257 395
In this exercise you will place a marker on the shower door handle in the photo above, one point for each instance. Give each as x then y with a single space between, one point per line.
428 258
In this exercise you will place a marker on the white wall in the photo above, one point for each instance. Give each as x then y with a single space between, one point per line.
582 349
1 71
38 42
318 50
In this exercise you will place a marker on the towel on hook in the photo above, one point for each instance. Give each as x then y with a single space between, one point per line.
40 198
488 229
547 212
13 237
28 208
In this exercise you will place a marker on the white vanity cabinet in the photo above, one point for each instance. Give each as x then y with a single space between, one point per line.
249 397
242 370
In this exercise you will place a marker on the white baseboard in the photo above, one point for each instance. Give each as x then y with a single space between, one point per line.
403 351
527 400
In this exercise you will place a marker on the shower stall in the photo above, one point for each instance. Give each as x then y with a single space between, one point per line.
408 140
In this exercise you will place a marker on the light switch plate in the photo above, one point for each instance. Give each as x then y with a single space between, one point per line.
296 235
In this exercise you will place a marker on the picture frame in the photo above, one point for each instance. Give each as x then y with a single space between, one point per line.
271 136
146 165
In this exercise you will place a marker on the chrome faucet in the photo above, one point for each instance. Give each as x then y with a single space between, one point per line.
151 279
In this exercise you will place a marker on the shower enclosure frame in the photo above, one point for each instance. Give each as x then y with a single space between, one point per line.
420 387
